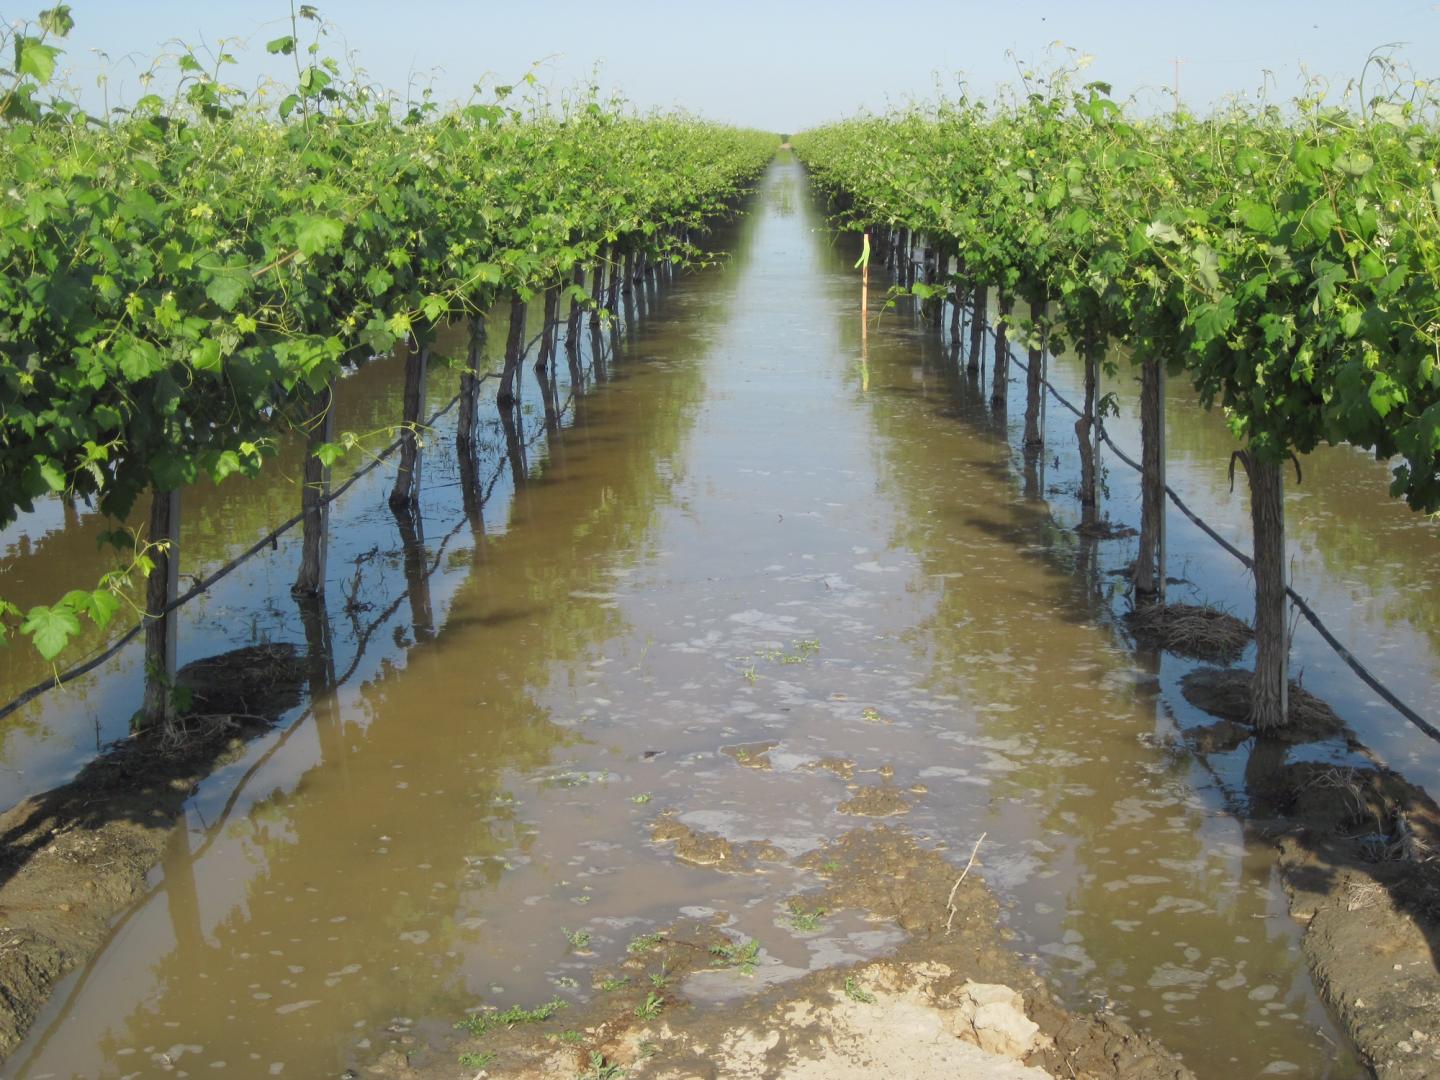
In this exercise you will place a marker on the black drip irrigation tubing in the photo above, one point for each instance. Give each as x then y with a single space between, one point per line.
268 540
1366 676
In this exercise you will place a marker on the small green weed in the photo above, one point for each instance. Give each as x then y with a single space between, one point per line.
854 993
614 982
743 958
477 1059
806 921
640 800
650 1008
480 1023
578 939
804 649
645 943
600 1069
870 714
830 866
573 779
570 1037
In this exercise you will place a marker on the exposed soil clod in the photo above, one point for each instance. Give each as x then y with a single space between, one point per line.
711 849
1225 692
875 802
1105 530
258 680
1202 633
751 755
837 765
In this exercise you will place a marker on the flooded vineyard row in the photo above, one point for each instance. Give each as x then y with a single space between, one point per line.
777 575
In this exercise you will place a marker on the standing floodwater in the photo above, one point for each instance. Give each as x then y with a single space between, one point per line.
762 529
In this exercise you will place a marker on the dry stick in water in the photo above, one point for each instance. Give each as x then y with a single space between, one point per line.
950 900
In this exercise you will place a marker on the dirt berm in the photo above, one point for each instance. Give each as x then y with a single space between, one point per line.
1359 856
74 857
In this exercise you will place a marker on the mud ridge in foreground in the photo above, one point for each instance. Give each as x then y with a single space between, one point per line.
952 1001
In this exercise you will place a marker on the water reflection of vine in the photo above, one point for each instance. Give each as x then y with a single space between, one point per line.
323 706
270 539
1301 605
1034 459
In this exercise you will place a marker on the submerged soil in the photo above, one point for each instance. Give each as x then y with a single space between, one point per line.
952 1001
73 858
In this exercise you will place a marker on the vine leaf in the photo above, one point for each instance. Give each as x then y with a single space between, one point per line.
50 628
226 288
35 59
316 234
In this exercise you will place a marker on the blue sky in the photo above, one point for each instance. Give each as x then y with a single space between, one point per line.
781 65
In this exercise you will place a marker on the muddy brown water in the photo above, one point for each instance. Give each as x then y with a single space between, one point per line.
762 528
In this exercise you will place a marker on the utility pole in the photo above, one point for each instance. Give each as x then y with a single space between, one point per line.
1177 61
